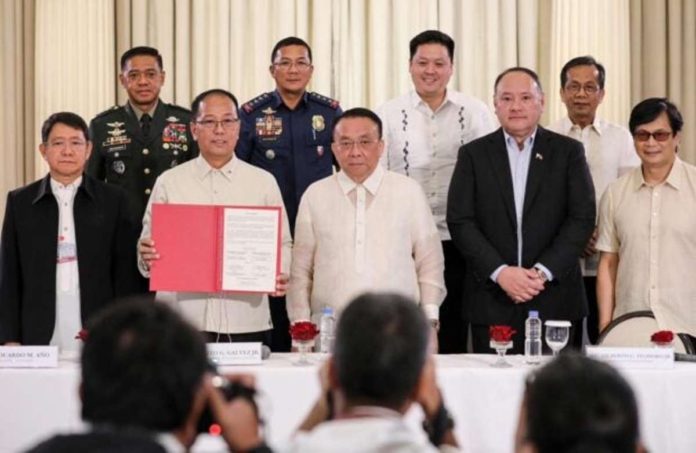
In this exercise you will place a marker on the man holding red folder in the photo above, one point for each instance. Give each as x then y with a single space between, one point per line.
217 177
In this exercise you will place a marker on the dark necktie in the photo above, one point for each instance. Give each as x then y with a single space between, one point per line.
145 124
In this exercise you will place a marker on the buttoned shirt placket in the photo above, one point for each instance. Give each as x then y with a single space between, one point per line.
360 201
654 243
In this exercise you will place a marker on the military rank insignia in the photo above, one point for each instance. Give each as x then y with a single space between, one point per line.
117 135
269 125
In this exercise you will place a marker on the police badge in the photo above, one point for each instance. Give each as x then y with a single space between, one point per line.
318 123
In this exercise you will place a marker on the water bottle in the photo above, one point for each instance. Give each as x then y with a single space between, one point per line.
326 331
532 341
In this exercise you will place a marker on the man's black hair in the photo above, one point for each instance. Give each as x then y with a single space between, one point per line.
141 50
648 110
71 119
290 41
431 37
196 104
585 60
380 350
142 365
581 405
358 112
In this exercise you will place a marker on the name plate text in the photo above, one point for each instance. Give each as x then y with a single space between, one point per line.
28 356
633 357
235 353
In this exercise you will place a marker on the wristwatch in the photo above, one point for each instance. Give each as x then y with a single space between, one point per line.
438 425
541 274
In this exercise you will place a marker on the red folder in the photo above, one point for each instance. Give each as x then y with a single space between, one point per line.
189 241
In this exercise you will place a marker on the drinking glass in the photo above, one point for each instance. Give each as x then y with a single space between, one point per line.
557 333
501 348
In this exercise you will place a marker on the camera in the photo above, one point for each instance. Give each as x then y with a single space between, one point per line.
230 391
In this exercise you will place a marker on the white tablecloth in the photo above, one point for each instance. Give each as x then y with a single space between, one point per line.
483 400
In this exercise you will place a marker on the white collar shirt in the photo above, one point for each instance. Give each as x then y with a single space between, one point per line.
382 432
235 183
610 154
375 236
423 144
68 321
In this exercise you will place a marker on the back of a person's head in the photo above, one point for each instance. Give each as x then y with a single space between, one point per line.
141 366
579 405
380 350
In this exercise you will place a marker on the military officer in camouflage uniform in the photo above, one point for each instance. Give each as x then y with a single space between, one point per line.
288 133
136 142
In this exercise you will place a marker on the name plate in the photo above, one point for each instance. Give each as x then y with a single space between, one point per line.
633 357
28 356
235 353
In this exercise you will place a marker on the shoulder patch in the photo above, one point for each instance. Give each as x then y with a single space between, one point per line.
108 111
257 102
321 99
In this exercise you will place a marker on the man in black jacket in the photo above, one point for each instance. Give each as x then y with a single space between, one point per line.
67 247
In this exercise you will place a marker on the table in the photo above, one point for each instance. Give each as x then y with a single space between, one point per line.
483 400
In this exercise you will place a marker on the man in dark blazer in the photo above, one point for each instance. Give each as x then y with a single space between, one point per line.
521 208
48 251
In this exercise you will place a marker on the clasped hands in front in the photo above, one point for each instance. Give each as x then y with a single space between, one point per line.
520 284
148 254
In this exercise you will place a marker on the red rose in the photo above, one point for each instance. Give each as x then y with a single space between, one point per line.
663 336
303 331
501 334
82 335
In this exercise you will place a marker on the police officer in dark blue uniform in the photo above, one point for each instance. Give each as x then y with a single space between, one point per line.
288 133
136 142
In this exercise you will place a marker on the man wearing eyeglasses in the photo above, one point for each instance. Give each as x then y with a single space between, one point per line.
608 149
647 227
217 177
67 245
363 229
423 130
134 143
287 132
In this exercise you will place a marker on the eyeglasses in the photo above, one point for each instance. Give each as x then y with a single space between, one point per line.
574 88
644 136
362 144
134 76
285 65
228 123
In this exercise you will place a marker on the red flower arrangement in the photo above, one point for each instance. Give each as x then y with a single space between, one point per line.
82 335
662 336
501 334
303 331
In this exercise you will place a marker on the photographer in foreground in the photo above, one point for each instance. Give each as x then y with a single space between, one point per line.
145 385
381 365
